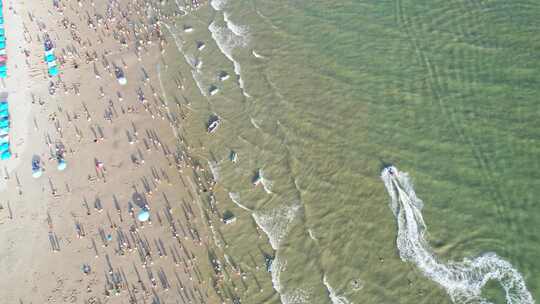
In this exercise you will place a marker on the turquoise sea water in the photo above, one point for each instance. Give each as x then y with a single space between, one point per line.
329 92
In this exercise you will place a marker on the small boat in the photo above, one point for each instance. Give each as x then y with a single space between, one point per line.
233 157
257 179
213 124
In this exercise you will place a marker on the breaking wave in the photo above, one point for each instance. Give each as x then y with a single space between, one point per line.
275 222
218 5
463 280
214 168
227 39
336 299
235 197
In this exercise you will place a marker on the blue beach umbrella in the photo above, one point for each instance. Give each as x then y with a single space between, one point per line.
3 105
3 68
5 155
4 146
2 44
2 38
50 58
4 112
1 20
2 31
3 74
4 123
143 216
62 165
4 130
53 71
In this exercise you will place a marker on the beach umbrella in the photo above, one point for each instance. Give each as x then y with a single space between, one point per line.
4 123
4 113
37 173
51 64
4 138
5 155
50 58
62 165
122 80
3 105
2 38
2 44
3 74
4 146
143 216
3 68
53 71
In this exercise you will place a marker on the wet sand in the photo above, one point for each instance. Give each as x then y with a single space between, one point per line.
72 236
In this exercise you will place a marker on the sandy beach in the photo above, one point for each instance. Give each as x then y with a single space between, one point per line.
73 236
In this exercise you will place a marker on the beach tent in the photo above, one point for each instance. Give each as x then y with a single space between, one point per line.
143 216
53 71
5 155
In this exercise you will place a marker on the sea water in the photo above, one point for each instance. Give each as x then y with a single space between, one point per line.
325 94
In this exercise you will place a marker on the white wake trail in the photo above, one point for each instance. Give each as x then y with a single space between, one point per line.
463 280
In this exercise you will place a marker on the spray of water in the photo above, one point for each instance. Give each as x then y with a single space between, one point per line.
334 297
463 280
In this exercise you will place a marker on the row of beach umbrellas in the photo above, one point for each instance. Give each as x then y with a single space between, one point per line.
3 56
49 57
5 151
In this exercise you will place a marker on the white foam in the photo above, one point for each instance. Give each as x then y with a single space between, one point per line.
267 184
254 123
311 235
334 297
257 55
275 222
235 197
277 267
463 280
197 76
214 168
227 39
218 5
296 296
193 62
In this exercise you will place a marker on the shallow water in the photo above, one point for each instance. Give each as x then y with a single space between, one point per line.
323 94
